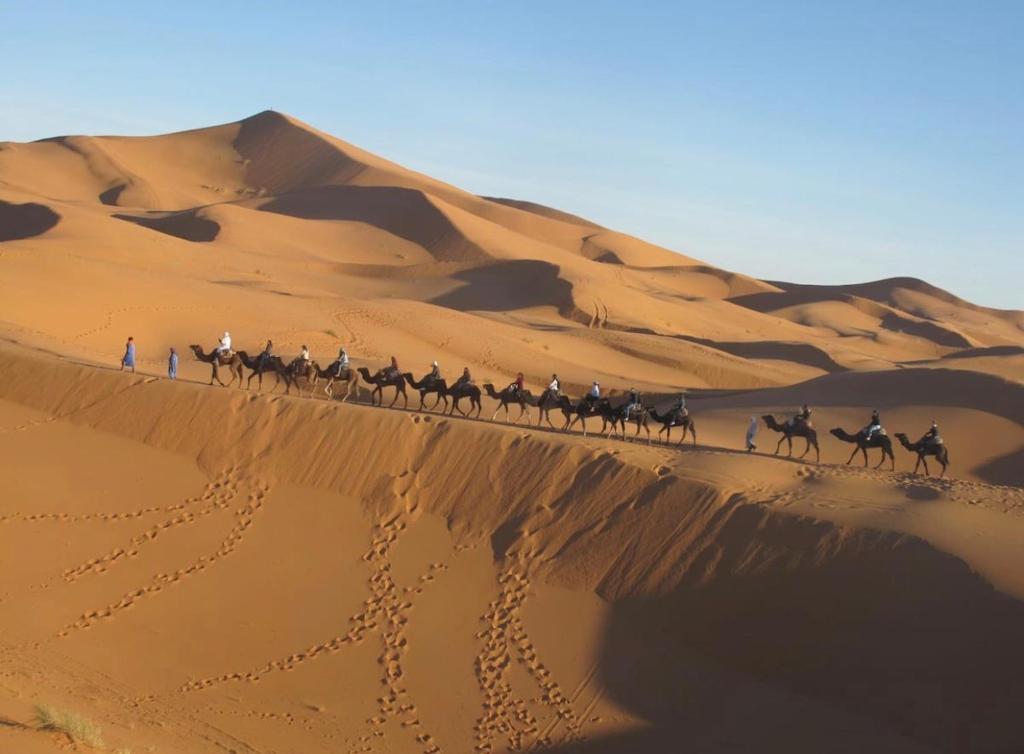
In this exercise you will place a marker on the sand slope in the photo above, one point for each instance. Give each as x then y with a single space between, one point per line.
204 570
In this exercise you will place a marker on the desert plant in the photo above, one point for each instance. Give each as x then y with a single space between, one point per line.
73 725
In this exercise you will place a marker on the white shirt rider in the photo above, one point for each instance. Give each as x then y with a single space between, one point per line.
225 344
595 391
553 387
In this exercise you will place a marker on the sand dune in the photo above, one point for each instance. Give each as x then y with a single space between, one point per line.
201 569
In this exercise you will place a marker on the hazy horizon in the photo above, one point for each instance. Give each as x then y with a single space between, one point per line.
790 143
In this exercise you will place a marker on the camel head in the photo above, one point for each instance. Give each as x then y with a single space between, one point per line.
365 374
838 432
196 349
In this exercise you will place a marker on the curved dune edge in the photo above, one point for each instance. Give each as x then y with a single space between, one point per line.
188 225
704 581
21 221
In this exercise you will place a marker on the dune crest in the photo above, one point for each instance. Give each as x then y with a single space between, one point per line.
207 569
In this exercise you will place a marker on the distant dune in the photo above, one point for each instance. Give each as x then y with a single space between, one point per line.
207 569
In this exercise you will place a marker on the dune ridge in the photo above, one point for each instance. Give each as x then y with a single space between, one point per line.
363 580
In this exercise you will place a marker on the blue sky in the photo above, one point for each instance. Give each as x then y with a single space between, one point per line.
805 141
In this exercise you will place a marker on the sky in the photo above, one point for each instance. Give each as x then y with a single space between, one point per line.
813 142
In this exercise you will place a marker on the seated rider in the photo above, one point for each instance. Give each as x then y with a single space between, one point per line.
633 404
516 386
224 349
465 379
268 351
803 416
302 360
932 436
391 371
435 373
554 388
679 409
874 426
341 365
593 395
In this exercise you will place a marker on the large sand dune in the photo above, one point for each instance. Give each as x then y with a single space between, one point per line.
202 569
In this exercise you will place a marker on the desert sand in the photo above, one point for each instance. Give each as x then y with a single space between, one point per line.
207 569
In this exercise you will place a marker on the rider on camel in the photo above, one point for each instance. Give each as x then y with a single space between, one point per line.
680 406
302 360
633 404
516 386
391 371
932 436
435 373
554 388
465 379
266 353
224 349
803 416
874 426
341 365
593 394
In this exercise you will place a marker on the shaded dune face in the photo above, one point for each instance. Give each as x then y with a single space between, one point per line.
20 221
414 582
188 226
406 213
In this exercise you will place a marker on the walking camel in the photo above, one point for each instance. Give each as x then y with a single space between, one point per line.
348 378
426 386
506 398
675 418
270 364
217 359
877 440
379 382
464 390
790 430
924 449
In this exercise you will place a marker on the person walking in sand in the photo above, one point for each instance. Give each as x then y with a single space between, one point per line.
752 434
172 365
128 360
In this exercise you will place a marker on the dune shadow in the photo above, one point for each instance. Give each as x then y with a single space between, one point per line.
20 221
507 285
814 638
403 212
187 225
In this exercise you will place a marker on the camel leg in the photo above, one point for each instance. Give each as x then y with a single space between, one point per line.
865 452
495 414
778 447
925 462
807 449
882 459
789 439
850 459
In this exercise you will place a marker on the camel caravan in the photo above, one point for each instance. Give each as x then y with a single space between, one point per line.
341 379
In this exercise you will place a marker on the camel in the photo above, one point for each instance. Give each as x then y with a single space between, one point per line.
506 397
270 364
790 430
348 378
379 382
877 440
216 359
924 449
547 402
464 390
427 386
611 418
297 371
675 418
640 418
